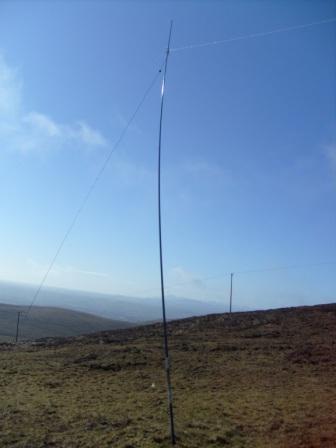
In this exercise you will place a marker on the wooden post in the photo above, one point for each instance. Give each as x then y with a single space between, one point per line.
231 292
17 326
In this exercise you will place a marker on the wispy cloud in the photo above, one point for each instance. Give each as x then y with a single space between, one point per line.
31 131
87 135
179 276
196 177
74 270
129 174
207 171
58 270
10 90
330 153
121 121
42 124
204 168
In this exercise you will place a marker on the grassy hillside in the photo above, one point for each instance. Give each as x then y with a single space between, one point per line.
49 321
257 380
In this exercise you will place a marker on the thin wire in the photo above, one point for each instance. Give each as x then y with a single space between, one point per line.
286 268
247 271
90 190
253 35
251 271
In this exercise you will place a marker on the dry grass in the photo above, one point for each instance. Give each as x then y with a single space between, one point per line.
264 379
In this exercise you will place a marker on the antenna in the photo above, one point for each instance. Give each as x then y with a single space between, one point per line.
17 326
166 349
231 281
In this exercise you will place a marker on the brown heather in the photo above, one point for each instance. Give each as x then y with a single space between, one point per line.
255 380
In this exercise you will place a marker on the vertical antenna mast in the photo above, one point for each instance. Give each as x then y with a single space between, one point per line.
231 292
166 350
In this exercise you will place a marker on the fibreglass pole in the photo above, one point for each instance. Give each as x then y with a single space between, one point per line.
166 350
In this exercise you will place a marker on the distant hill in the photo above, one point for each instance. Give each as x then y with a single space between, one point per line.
51 321
124 308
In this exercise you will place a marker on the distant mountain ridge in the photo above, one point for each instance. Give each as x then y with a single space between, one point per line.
51 322
121 308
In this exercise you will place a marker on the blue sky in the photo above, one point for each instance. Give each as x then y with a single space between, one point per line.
249 147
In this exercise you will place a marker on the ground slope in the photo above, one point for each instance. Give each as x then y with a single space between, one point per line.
257 380
50 321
